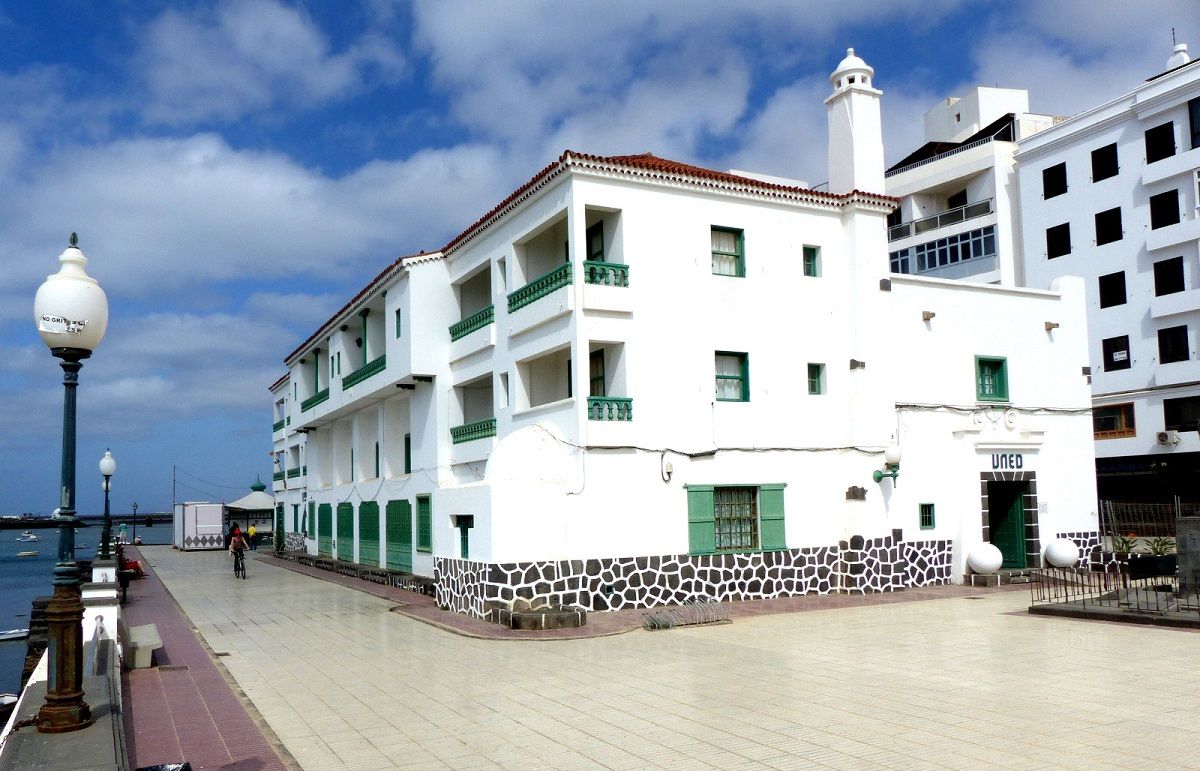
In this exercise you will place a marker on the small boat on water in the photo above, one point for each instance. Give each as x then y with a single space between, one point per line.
30 536
14 634
27 554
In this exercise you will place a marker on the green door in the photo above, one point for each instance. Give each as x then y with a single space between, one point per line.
344 545
368 533
1006 519
325 530
399 536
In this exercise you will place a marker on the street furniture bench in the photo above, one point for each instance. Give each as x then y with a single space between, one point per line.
143 641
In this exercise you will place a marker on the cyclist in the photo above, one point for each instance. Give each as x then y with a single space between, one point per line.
237 545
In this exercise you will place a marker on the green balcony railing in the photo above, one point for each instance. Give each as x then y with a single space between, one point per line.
480 429
292 473
278 477
473 322
365 371
540 287
277 427
314 400
605 273
610 408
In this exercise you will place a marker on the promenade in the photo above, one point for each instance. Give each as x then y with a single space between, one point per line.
335 679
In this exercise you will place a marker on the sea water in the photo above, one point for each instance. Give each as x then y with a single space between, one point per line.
24 578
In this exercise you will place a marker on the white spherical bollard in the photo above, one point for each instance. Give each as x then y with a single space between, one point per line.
1062 553
985 558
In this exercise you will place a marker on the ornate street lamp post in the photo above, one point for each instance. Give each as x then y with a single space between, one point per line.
71 313
108 467
135 520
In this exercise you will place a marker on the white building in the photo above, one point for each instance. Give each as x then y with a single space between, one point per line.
287 453
636 381
1111 195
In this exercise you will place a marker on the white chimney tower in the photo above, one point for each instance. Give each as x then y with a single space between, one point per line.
855 130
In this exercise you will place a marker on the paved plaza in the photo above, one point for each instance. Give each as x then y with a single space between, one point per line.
961 682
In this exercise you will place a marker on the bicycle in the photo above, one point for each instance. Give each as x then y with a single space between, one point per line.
239 563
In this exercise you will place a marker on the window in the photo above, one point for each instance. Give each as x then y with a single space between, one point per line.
1194 121
1104 162
899 261
991 379
1164 209
972 245
1173 344
408 453
397 322
1112 289
1113 421
1168 276
596 373
377 460
1054 180
733 377
728 258
1058 240
1181 414
812 261
595 242
956 200
424 523
1116 353
1108 226
926 516
816 379
1160 142
895 217
735 518
339 362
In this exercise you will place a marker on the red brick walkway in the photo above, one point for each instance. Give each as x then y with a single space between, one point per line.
184 708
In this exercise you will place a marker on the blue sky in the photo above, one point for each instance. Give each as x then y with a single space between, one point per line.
237 169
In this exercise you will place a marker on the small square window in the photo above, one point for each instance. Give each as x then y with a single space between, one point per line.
728 258
812 261
1160 142
927 518
1116 353
1104 162
1112 289
991 379
1164 209
1058 240
1168 276
1108 226
1054 180
816 379
733 377
1182 414
1173 344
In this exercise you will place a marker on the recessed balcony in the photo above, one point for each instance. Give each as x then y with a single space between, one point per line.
364 372
314 400
479 429
940 220
472 323
540 287
278 426
610 408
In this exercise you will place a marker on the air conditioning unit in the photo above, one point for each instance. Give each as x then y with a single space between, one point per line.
1168 437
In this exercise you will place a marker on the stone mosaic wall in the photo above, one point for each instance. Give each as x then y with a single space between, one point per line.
861 566
293 542
1094 557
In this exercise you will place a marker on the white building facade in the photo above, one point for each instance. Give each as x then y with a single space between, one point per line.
636 382
1111 195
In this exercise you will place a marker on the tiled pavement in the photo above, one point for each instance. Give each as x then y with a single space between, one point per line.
948 683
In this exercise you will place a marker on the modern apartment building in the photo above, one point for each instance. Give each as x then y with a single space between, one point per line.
635 381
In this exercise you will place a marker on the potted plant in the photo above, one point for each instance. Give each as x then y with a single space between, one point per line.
1122 545
1161 560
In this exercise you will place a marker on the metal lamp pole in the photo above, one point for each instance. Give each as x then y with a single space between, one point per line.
135 520
108 466
71 312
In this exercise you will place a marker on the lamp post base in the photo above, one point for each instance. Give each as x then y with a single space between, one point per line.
64 709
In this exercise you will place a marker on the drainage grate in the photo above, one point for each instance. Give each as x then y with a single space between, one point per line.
173 668
219 654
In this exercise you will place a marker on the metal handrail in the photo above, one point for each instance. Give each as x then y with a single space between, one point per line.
938 157
941 219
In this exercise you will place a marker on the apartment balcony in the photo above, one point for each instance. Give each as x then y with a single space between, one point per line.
1176 302
278 476
314 400
605 273
618 408
541 300
540 287
474 333
293 473
606 287
277 427
1177 372
944 219
1184 231
364 372
468 432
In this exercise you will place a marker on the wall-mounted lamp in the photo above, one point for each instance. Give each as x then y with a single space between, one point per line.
927 315
891 465
856 364
1050 325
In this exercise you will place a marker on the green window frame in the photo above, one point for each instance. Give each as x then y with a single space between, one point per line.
310 526
352 469
991 379
732 370
325 530
399 535
596 373
339 363
295 517
397 322
424 523
595 242
816 379
728 251
344 529
736 518
926 516
377 460
408 453
812 261
368 533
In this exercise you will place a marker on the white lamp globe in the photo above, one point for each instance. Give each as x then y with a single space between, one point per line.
70 308
1062 553
891 455
985 558
108 464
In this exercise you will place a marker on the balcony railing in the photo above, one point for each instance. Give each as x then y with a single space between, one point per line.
471 323
365 371
278 476
939 156
480 429
540 287
948 217
605 273
610 408
314 400
292 473
277 427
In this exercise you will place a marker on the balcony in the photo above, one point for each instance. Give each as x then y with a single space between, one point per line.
479 429
605 273
278 476
364 372
314 400
292 473
472 323
948 217
277 427
540 287
610 408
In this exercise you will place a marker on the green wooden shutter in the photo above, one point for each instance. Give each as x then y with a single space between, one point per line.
368 533
424 523
399 536
702 535
325 530
770 515
408 453
345 531
310 525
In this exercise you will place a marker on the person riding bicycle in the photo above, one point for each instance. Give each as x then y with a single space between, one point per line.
237 546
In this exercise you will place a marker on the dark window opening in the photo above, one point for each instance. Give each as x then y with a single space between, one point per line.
1181 414
1194 121
1160 142
1058 240
1173 345
895 218
1108 226
1116 353
957 200
1054 180
1168 276
1112 289
1164 209
1113 421
735 517
1104 162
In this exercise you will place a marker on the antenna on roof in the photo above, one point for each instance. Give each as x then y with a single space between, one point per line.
1173 40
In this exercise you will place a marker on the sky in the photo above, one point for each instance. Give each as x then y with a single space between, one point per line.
236 170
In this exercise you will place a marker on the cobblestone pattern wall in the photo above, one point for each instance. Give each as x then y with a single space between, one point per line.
1094 557
927 563
460 585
